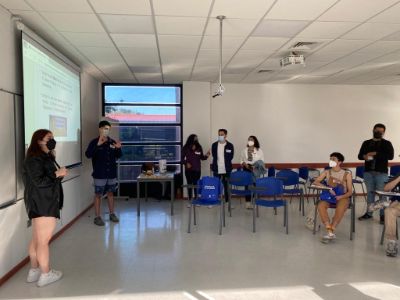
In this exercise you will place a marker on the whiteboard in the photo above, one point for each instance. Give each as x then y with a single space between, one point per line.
7 148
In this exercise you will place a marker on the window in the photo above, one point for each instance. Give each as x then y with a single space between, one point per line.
148 118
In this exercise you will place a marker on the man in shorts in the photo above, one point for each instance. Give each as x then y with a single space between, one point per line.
104 151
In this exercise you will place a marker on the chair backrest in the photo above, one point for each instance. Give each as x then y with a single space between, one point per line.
394 170
288 177
360 172
271 171
303 173
273 186
210 188
241 178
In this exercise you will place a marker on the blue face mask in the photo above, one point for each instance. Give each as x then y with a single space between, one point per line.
221 138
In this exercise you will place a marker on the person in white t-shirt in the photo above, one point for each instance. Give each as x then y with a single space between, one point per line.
252 160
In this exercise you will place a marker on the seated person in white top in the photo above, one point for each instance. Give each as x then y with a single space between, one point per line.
334 177
252 160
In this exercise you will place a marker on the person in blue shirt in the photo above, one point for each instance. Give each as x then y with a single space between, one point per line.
104 151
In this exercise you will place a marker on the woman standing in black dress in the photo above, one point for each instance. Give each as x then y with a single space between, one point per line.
43 200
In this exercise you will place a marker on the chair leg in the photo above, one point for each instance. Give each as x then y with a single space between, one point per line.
365 195
275 211
254 218
354 215
315 218
190 217
258 212
284 216
194 215
383 235
287 219
221 217
302 201
230 207
223 213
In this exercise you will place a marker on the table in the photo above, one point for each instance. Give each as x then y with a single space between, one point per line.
157 177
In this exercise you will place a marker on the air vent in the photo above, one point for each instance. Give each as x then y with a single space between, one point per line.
265 71
304 46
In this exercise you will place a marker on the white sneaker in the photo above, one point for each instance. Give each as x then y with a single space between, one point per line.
249 205
47 278
33 275
329 236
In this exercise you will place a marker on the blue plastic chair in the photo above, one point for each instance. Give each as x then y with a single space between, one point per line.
210 193
359 179
290 181
394 171
239 182
273 188
271 171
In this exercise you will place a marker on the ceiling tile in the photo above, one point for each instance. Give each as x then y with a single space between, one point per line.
128 24
231 27
134 40
182 41
180 25
15 4
381 47
149 77
140 56
70 6
393 37
248 59
345 46
390 15
193 8
253 9
278 28
212 42
177 55
210 57
355 10
299 10
115 71
326 30
122 7
102 55
232 78
371 31
81 22
92 39
264 43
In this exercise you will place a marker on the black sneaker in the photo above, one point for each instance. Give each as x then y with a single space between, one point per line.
365 216
114 218
98 221
382 220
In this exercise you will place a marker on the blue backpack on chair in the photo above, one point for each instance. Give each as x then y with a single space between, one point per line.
339 190
209 189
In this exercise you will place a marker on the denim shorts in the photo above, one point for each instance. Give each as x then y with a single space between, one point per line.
102 186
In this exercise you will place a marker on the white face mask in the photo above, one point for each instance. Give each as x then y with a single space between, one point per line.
221 138
250 143
106 132
332 163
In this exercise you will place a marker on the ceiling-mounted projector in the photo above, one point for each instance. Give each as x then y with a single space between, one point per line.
293 59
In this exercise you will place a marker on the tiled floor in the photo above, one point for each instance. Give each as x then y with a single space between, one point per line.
154 258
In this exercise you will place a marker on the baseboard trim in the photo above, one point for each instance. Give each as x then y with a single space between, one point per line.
19 266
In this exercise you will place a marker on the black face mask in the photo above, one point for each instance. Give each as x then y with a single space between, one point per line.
51 144
377 135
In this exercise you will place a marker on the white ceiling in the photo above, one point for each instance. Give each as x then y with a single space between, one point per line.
169 41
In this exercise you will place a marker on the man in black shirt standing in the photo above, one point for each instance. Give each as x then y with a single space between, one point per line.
376 153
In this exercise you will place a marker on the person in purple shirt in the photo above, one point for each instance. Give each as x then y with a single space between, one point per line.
192 155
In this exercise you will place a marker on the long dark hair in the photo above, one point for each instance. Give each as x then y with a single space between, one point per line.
34 147
256 143
191 140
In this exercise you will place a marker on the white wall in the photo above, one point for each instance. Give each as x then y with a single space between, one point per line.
78 192
298 123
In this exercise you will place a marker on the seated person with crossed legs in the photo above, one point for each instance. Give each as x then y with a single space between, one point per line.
341 182
392 212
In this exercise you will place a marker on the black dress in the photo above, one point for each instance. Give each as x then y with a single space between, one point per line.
43 190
